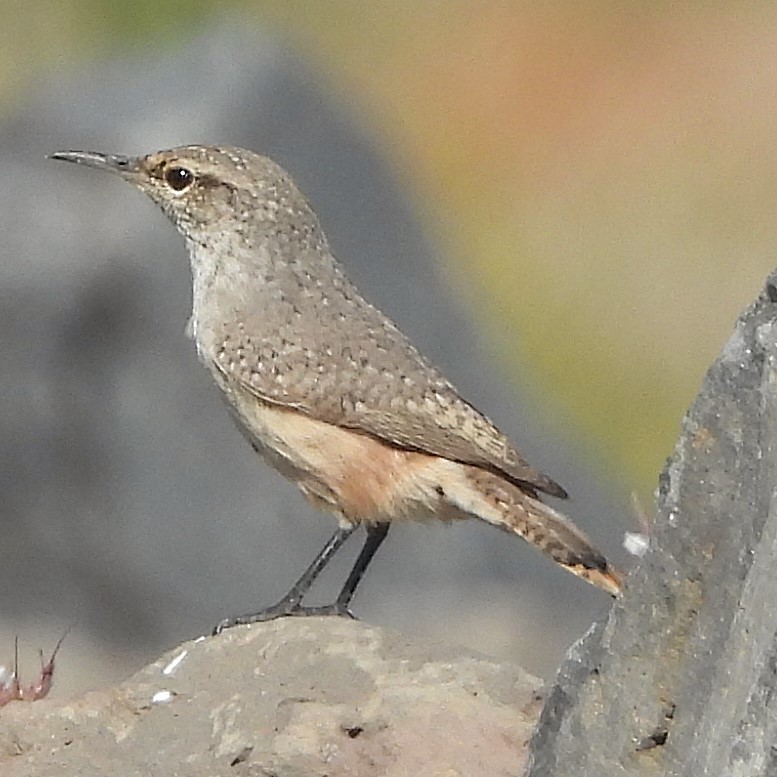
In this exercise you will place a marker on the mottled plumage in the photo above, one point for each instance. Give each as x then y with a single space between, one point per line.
321 381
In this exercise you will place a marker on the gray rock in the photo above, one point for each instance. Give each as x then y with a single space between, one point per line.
291 698
681 679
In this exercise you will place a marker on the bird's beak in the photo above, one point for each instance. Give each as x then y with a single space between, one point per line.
125 166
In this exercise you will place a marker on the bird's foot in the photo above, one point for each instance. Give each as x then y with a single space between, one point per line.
284 609
340 610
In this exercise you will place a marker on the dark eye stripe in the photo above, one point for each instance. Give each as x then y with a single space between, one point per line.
179 178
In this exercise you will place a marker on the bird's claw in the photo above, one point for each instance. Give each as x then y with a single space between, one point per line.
285 609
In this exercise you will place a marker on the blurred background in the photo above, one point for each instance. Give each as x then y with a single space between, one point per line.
565 207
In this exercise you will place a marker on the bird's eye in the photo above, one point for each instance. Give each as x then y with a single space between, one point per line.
179 178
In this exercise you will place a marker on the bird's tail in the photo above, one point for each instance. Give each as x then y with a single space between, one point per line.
505 505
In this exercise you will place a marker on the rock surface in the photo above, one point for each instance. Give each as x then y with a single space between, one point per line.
681 679
291 698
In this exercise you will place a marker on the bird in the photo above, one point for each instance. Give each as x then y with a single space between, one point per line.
325 387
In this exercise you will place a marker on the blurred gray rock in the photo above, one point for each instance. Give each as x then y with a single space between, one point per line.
293 698
682 679
130 503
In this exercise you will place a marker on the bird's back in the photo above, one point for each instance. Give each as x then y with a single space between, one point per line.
303 337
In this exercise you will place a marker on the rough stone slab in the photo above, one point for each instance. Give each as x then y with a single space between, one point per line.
681 679
291 698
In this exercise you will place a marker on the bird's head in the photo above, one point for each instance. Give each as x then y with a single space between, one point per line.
210 192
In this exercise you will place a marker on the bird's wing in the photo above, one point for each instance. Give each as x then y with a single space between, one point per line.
374 382
444 424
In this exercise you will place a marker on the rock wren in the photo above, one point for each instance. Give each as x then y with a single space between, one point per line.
324 386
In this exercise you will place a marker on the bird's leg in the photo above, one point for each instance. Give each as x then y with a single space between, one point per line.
290 603
375 536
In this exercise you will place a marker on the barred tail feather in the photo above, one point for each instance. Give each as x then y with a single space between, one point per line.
497 501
